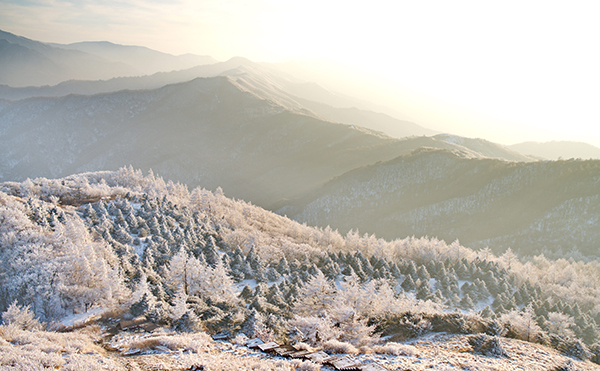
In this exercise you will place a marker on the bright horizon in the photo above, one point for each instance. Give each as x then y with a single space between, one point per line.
508 71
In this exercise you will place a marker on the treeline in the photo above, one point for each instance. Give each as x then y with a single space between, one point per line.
199 260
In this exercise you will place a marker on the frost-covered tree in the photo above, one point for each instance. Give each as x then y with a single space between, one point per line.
316 296
178 271
521 324
179 305
20 317
408 284
560 324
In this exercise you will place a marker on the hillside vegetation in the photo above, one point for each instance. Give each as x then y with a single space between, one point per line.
199 261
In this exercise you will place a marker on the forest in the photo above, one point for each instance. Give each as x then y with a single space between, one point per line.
137 245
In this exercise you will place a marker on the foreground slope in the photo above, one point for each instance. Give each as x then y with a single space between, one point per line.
129 245
530 207
163 350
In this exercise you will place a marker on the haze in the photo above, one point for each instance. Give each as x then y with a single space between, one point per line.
508 72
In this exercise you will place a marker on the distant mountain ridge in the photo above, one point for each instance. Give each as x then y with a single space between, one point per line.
143 59
25 62
153 81
486 148
557 149
530 207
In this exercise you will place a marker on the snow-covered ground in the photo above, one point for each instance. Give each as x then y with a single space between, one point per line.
166 350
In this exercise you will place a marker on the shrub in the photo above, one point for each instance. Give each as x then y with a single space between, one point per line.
595 353
395 349
20 317
521 324
304 346
240 339
575 348
487 345
305 366
567 366
406 325
335 346
453 323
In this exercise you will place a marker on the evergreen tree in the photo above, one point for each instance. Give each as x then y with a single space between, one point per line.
487 312
348 271
141 307
466 288
500 300
283 267
331 270
210 252
395 271
272 275
438 297
410 269
463 271
590 334
466 302
154 225
517 298
432 268
275 297
408 284
424 290
248 271
423 274
246 293
188 322
253 259
482 292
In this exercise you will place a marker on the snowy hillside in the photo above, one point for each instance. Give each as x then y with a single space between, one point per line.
134 245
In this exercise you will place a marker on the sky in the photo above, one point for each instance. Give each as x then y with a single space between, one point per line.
507 71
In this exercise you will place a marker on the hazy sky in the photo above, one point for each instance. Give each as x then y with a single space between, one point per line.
507 71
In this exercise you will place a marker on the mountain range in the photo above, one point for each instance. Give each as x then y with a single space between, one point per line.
531 207
27 62
556 150
290 145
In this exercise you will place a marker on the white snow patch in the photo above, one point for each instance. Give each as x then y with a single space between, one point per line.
80 319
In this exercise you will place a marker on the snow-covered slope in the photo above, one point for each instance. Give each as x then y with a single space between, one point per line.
164 266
